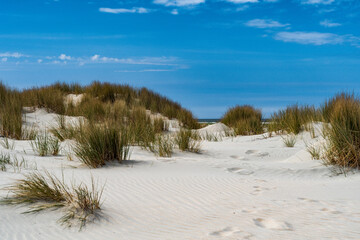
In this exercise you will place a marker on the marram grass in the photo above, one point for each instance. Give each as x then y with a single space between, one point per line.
44 191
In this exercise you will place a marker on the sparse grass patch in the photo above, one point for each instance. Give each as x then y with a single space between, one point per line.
245 120
45 145
4 159
314 151
289 140
45 191
163 146
7 144
188 140
292 119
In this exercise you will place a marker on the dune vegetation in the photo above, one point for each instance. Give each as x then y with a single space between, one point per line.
245 120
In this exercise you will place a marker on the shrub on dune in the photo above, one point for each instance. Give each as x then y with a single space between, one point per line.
245 120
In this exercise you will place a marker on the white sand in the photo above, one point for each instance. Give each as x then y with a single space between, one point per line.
217 129
241 188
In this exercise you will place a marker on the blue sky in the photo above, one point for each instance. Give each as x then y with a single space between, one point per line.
206 54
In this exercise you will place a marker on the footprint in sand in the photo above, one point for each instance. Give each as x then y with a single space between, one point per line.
230 231
240 171
257 153
273 224
239 157
308 200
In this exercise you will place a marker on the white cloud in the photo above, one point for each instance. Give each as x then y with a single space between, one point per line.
125 10
4 59
325 2
174 12
64 57
314 38
39 60
95 57
179 3
265 23
165 61
328 23
242 1
146 70
12 55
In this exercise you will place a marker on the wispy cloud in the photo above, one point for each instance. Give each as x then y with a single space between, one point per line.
59 37
125 10
265 23
178 3
324 2
328 23
165 61
146 70
12 55
64 57
243 1
313 38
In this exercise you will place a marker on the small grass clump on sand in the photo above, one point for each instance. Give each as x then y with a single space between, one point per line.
65 130
245 120
188 140
7 144
102 143
163 146
45 191
4 159
10 113
289 140
315 152
45 145
292 119
343 132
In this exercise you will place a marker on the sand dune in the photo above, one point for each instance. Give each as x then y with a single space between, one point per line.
245 187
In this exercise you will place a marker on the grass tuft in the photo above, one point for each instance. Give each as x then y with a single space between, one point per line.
45 145
343 133
99 144
245 120
188 140
289 140
45 191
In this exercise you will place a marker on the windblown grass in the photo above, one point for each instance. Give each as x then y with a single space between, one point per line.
245 120
45 192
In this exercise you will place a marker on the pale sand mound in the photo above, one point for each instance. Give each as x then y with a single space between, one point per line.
74 99
42 119
214 129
